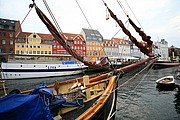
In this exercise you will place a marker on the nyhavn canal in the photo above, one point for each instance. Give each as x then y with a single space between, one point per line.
138 99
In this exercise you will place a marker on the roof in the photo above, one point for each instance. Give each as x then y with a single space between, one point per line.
90 32
7 22
120 41
24 34
45 36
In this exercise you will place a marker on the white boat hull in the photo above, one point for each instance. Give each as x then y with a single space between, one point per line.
22 71
166 83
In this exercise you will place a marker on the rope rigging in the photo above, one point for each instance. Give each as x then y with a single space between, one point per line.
92 28
147 49
62 40
18 29
138 85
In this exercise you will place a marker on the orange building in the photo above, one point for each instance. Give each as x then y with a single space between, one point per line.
94 44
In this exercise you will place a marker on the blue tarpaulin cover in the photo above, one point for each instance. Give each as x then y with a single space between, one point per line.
24 107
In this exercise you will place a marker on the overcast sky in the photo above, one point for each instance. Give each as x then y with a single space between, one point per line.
159 19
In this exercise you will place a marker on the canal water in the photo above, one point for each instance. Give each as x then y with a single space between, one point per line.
138 97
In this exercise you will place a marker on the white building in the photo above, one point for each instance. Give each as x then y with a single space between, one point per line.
162 49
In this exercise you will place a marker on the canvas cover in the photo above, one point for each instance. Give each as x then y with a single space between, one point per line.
24 107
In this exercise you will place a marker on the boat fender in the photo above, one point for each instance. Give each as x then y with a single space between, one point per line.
15 91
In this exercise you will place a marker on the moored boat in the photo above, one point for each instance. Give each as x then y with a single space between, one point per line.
166 83
29 66
159 65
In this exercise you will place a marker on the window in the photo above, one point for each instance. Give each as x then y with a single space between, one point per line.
11 34
30 52
34 36
17 51
42 52
3 34
21 39
22 52
1 27
11 50
38 52
3 42
17 45
11 42
34 52
22 46
10 27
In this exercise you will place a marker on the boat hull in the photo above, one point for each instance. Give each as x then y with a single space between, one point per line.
165 65
166 83
166 87
23 71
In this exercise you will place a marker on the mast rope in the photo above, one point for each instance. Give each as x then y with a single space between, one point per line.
122 7
146 49
84 15
131 11
18 29
52 16
62 40
135 87
141 33
91 28
149 65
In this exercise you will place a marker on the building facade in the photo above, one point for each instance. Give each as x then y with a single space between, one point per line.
33 44
94 44
162 50
8 32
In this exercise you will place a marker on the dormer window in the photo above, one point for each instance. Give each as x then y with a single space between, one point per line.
34 36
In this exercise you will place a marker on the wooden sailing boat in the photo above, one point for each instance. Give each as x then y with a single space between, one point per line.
82 98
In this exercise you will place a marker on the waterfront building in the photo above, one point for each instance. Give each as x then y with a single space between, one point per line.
134 50
162 49
33 44
111 49
94 44
75 41
123 49
8 32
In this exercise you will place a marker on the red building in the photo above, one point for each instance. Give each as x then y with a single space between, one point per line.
76 42
8 32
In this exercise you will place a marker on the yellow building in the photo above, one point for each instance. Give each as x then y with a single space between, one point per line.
33 44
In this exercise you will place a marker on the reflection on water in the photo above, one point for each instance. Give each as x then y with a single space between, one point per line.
141 100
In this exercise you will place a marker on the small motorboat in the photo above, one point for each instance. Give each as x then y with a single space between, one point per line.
166 83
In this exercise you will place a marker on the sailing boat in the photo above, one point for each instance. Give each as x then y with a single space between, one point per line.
89 97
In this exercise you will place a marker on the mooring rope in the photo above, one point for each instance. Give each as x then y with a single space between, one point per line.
137 84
